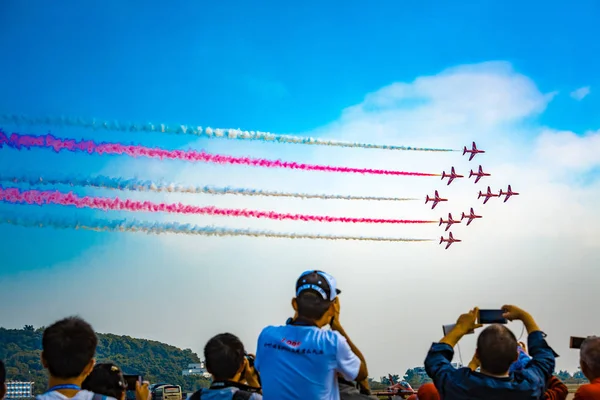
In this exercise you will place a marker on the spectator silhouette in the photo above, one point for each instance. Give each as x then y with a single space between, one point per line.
2 380
232 370
300 360
68 349
589 360
496 351
107 380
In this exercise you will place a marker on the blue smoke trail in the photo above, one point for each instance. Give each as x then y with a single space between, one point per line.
234 134
173 227
133 184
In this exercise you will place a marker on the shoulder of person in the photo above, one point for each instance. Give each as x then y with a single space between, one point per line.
589 388
97 396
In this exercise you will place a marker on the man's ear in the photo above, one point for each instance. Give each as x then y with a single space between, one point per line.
43 360
295 305
89 367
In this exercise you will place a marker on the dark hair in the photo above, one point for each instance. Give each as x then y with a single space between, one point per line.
224 355
106 379
497 349
311 305
68 346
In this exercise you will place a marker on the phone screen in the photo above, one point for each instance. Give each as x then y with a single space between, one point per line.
131 381
576 342
491 317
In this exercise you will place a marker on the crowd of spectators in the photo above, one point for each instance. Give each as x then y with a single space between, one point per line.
303 360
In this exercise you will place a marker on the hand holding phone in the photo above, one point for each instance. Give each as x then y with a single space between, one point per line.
132 380
576 342
491 317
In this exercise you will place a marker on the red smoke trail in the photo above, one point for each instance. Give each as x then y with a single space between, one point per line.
13 195
18 141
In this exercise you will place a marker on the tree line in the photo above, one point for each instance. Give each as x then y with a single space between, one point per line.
20 350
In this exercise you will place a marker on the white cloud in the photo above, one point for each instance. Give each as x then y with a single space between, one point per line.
581 93
539 250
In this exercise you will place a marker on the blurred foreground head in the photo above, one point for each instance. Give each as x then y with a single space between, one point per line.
589 358
497 349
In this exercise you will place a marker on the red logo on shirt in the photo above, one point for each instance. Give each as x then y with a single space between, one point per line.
290 342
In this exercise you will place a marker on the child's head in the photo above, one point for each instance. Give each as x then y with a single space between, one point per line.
68 348
106 379
225 356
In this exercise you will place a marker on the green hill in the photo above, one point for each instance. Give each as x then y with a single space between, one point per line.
158 362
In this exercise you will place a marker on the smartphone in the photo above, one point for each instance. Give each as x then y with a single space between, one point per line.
491 317
131 381
449 327
576 342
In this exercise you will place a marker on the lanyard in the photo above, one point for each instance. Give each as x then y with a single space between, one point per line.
61 387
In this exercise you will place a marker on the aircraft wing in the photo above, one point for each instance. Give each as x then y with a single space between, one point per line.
472 155
448 245
470 220
486 199
478 178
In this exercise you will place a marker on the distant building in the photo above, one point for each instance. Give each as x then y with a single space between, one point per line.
19 390
196 369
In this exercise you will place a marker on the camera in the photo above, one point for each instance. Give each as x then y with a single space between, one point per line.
250 359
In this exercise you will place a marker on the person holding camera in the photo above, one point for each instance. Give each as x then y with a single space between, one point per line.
496 352
232 370
106 379
301 360
589 360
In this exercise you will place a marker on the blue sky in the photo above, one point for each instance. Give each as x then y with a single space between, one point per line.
261 66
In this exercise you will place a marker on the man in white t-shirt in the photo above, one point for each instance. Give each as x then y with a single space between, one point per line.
300 360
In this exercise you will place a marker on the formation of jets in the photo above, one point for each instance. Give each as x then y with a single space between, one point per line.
471 216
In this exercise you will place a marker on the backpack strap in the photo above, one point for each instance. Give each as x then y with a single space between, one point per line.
241 395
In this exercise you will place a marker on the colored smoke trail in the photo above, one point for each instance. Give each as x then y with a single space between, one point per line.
18 141
186 229
16 196
149 186
234 134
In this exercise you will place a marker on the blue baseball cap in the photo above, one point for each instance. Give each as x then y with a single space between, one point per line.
319 282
